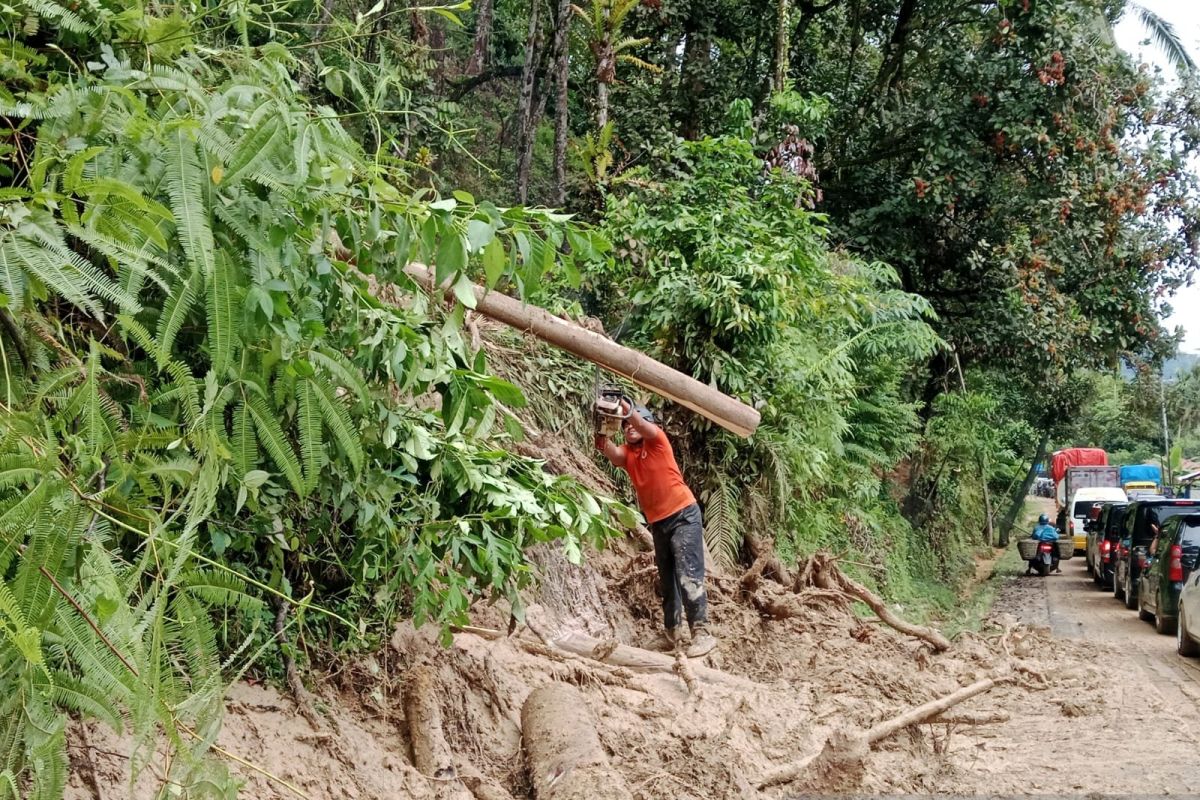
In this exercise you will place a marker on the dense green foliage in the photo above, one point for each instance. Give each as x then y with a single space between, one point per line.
900 229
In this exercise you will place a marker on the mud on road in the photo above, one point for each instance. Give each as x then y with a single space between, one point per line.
1127 720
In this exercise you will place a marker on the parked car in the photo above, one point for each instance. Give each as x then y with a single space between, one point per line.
1143 522
1081 506
1102 541
1168 563
1187 629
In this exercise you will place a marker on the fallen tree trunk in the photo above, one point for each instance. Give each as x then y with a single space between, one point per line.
615 654
726 411
566 759
840 764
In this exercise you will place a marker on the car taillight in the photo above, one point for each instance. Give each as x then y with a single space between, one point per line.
1072 526
1106 549
1175 570
1122 551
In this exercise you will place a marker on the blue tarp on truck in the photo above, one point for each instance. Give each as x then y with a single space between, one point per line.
1141 472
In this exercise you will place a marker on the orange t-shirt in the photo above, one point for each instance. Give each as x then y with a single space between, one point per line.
656 478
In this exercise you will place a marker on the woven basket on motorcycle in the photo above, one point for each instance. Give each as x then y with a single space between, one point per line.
1027 548
1066 548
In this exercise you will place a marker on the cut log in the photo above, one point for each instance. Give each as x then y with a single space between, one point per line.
431 753
566 759
726 411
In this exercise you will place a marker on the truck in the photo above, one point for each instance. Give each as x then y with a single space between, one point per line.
1082 478
1141 479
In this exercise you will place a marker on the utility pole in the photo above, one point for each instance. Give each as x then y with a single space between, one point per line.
1162 400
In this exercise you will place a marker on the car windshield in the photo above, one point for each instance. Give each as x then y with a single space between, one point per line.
1084 507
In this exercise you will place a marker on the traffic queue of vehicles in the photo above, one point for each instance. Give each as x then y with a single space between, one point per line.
1147 552
1138 541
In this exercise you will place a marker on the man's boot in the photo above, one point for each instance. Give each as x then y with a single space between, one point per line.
665 641
703 642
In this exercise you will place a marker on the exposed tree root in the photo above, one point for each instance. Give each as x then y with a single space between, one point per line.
684 670
301 695
826 575
841 763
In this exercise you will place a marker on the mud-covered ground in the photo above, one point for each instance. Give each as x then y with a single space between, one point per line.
1094 702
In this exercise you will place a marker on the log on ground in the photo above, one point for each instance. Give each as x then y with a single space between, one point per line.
566 759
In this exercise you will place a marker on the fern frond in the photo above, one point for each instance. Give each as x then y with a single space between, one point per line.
174 314
255 148
183 181
220 590
337 418
222 310
12 277
82 697
341 370
62 17
722 528
270 433
245 447
308 419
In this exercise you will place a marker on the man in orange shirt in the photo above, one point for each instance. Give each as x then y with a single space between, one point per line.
674 516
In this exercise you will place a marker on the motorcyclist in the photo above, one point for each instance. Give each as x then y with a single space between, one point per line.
1045 532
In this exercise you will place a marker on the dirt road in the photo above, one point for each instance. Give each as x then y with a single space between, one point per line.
1127 717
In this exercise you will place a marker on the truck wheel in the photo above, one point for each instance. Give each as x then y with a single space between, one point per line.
1131 598
1117 591
1183 643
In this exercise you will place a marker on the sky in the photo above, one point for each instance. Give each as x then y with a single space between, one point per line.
1184 15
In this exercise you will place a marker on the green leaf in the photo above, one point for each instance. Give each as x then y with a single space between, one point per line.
451 256
465 291
494 262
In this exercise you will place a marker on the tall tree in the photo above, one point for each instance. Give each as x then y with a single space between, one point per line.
526 112
562 103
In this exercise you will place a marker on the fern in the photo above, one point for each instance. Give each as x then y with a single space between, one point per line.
221 307
245 446
344 373
183 180
270 433
308 419
722 528
340 425
175 313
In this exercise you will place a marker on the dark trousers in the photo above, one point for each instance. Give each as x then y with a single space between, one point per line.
679 555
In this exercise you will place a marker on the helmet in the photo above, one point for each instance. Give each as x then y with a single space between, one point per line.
644 413
1043 520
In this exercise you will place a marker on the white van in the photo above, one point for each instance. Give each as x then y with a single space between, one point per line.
1081 506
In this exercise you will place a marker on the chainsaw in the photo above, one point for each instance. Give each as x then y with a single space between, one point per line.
606 412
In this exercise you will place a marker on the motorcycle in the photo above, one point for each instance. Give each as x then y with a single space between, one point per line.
1041 556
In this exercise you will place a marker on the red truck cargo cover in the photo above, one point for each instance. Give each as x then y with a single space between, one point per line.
1076 457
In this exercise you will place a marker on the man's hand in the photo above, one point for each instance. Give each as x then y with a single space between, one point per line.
600 440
